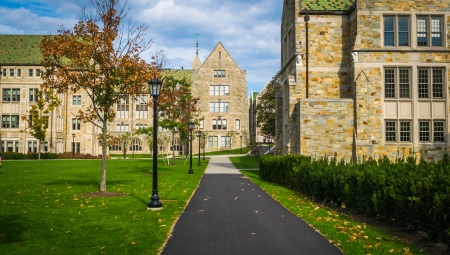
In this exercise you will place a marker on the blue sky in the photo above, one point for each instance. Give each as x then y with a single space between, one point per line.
249 29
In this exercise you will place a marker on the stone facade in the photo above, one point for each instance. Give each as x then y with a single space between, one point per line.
229 95
17 88
351 57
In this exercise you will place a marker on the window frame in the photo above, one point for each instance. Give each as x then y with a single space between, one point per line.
429 30
396 81
76 124
76 100
396 30
398 132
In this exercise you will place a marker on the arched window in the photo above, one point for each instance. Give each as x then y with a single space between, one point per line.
136 145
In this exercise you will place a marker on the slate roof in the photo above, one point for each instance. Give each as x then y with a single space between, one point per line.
20 49
326 5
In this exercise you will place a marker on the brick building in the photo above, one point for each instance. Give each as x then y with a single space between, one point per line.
364 78
219 83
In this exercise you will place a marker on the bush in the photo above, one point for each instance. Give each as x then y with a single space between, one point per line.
408 194
12 155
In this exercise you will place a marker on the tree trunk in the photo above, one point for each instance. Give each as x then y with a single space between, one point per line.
104 144
173 147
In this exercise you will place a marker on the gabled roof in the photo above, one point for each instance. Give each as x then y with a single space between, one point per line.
20 49
215 48
326 5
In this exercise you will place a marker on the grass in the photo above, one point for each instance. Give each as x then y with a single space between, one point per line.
42 211
245 162
351 236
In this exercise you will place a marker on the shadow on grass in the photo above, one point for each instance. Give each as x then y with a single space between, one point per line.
93 183
11 230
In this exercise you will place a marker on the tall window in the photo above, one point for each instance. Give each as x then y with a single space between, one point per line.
138 126
396 31
201 124
219 124
219 73
219 107
212 141
19 72
142 107
395 134
76 147
9 146
431 131
225 141
10 121
76 100
117 146
397 83
4 72
30 72
237 124
76 124
123 108
219 90
430 82
122 127
32 146
33 95
429 31
11 72
11 95
38 72
136 145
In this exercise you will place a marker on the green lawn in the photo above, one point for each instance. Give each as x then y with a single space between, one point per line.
245 162
42 211
351 236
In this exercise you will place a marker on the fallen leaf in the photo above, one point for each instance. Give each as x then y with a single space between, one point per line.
391 250
256 211
235 198
253 233
201 210
133 243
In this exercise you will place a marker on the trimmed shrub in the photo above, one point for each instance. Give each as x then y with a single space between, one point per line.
413 195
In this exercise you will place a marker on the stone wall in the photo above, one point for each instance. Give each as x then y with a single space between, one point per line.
326 127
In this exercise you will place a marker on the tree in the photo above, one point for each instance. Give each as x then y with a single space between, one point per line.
265 107
99 55
46 102
177 103
125 140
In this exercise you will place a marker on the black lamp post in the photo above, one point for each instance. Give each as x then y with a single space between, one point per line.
199 137
154 86
204 145
73 145
268 139
191 126
241 145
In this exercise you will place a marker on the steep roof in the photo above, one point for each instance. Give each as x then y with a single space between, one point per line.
20 49
219 44
326 5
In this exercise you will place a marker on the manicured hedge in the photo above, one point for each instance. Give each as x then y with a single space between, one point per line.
66 155
404 192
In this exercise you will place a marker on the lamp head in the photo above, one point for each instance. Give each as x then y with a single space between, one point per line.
154 86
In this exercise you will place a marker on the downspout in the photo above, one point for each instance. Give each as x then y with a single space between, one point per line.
307 55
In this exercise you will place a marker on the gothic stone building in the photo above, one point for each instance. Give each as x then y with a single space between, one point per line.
364 77
222 88
219 83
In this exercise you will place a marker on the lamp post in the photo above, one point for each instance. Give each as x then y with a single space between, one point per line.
199 137
191 126
73 145
204 145
241 145
268 139
155 85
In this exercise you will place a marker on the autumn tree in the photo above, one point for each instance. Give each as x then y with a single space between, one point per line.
100 56
265 107
46 102
177 104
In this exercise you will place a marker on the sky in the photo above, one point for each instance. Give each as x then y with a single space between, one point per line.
249 29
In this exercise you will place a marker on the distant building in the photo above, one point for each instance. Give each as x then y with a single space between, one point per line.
222 88
364 78
252 116
218 82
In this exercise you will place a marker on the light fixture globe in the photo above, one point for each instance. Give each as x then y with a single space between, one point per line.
154 86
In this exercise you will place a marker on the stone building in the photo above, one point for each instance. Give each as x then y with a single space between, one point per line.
364 78
222 88
219 83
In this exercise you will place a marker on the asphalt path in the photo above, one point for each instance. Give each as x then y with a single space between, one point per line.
228 214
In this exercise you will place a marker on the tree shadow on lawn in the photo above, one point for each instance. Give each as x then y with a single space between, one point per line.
88 183
11 230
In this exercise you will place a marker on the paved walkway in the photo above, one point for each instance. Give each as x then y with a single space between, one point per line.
228 214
